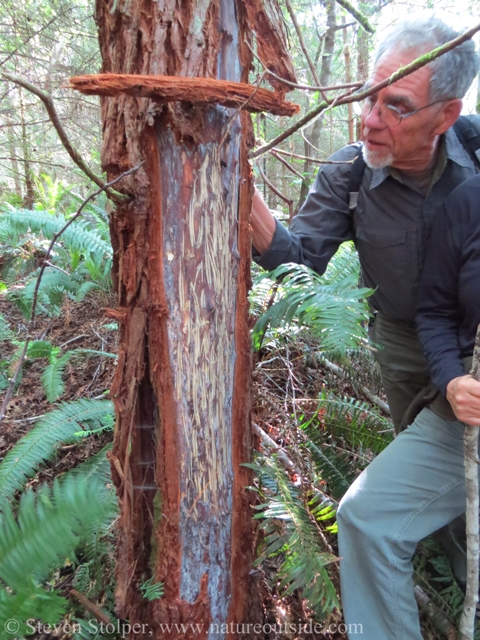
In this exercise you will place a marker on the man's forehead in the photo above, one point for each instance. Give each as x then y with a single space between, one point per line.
391 61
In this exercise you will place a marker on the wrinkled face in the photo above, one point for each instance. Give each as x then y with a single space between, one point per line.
410 143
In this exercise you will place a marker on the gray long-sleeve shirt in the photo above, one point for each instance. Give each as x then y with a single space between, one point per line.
389 226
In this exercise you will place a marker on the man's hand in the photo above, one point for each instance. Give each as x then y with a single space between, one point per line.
262 223
463 393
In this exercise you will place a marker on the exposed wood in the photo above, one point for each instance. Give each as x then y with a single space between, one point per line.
470 442
192 90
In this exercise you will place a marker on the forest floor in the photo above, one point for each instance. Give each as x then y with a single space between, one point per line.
285 385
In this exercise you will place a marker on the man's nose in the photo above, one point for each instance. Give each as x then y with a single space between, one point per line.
373 118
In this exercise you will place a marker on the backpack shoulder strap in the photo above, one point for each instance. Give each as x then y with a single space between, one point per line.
355 180
467 129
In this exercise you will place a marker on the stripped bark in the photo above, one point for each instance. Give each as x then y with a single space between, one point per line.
182 271
194 90
470 440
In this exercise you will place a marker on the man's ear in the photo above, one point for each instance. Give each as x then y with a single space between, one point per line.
448 115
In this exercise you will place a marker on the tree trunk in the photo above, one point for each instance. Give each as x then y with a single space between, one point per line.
182 271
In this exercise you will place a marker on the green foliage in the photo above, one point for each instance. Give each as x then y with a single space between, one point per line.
291 531
37 538
355 422
330 306
81 259
61 426
152 590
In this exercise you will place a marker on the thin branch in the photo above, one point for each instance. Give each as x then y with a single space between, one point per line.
302 44
357 15
287 164
314 160
278 193
361 95
14 378
306 87
72 152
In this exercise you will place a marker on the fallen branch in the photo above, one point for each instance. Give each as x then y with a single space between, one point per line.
91 607
470 443
282 456
341 373
194 90
361 95
33 313
433 613
46 98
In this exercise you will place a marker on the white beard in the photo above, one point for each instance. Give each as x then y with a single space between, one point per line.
376 159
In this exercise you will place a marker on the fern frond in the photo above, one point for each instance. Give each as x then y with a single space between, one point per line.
31 602
335 312
97 470
60 426
332 467
297 539
52 376
79 236
46 529
360 425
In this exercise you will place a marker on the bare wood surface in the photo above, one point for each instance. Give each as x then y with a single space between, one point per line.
470 441
180 89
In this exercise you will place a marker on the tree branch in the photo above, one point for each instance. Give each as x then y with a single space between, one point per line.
357 15
305 87
14 378
361 95
72 152
278 193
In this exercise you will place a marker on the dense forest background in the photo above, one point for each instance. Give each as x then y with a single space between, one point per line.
319 413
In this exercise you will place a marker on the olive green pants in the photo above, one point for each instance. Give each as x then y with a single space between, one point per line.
402 363
404 372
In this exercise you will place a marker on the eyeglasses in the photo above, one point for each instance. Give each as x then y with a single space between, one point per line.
391 115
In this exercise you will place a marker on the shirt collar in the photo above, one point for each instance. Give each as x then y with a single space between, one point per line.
455 151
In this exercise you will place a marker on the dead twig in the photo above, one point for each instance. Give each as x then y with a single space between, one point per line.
14 378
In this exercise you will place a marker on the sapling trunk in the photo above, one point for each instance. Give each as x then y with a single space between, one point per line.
467 625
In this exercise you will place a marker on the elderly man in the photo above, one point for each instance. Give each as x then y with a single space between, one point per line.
414 159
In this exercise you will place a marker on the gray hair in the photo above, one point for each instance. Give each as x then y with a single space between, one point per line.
452 73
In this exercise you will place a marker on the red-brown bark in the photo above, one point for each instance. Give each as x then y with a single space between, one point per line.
193 90
181 270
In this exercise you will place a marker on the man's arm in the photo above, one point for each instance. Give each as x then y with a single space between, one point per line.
262 223
448 311
321 225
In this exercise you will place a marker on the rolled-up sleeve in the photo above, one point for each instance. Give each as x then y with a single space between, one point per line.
321 225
